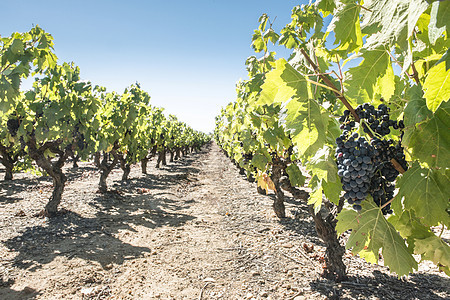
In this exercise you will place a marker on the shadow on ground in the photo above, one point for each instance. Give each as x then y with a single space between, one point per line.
383 286
97 238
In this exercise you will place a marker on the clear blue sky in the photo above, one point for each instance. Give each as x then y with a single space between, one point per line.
187 55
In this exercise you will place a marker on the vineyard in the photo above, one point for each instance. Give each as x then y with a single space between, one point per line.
326 177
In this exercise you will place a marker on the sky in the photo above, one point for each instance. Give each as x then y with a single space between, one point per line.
188 55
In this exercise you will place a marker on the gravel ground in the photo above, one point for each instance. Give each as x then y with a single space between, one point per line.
194 229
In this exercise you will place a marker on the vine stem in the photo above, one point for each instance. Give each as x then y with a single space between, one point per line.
330 84
442 230
341 97
387 203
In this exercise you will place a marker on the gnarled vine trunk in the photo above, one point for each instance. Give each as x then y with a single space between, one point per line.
125 166
161 158
8 162
172 153
105 168
325 223
53 169
164 161
144 163
75 160
177 153
278 203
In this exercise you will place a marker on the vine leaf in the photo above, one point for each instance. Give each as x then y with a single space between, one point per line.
390 20
265 182
346 26
295 175
422 239
416 110
429 141
435 249
361 81
324 168
437 86
307 124
282 83
426 192
370 232
434 32
442 18
260 161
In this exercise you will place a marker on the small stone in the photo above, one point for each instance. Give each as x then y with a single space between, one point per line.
300 298
209 279
264 294
249 296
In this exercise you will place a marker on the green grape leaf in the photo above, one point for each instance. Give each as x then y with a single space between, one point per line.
360 82
409 226
346 26
295 175
258 43
17 47
315 197
415 9
282 83
442 18
426 192
437 86
324 168
385 86
435 249
429 141
422 239
416 110
370 232
390 20
307 125
325 6
260 161
434 32
270 135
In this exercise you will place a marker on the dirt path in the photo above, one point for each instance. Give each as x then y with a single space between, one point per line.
193 229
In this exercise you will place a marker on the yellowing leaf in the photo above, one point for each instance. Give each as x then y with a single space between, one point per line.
265 182
437 86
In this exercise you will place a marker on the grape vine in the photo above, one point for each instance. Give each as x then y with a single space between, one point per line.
375 134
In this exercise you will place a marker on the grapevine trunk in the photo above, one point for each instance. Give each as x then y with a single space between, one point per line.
144 163
53 169
278 203
8 169
105 169
59 180
325 226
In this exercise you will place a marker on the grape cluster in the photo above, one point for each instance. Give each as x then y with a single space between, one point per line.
354 156
365 167
13 126
247 157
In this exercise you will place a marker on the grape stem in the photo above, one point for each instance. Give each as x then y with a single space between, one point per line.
330 84
387 203
442 230
341 97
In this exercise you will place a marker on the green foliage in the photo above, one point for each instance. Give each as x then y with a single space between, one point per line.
22 54
293 99
426 192
372 232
